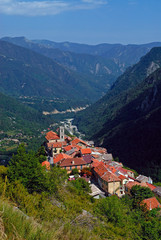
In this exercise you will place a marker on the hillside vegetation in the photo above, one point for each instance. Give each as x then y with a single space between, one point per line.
39 204
15 116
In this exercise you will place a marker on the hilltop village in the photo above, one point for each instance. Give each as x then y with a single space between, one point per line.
106 176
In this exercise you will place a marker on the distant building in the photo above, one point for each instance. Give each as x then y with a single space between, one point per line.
157 191
151 203
142 178
71 163
107 180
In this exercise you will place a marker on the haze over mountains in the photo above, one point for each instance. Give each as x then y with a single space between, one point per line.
91 69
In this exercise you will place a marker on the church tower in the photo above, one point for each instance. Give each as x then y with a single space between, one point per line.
61 134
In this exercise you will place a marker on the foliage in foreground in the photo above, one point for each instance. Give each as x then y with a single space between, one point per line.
65 210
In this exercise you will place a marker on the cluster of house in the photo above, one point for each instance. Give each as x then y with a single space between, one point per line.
111 176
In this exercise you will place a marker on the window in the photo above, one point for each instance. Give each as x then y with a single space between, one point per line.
70 167
81 167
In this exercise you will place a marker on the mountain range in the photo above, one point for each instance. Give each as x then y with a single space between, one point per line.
25 72
98 71
126 119
95 67
124 55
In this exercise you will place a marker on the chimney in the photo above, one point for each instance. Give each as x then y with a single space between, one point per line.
150 206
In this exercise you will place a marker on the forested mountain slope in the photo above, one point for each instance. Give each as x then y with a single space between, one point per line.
25 72
126 121
16 116
134 134
93 118
101 70
101 63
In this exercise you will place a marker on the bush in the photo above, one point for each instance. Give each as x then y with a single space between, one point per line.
81 186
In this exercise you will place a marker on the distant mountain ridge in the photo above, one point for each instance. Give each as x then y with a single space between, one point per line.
102 71
25 72
100 64
122 54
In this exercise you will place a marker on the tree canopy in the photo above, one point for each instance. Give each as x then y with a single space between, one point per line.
140 193
26 168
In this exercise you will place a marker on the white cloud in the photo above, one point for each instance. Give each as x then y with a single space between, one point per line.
43 8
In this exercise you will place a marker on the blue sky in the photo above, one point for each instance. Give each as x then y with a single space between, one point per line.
82 21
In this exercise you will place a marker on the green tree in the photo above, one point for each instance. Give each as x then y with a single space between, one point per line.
74 171
41 154
140 193
26 168
81 186
57 175
151 230
112 209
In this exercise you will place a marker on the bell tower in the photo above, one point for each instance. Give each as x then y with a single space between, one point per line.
61 134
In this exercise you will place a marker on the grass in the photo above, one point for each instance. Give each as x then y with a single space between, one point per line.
14 225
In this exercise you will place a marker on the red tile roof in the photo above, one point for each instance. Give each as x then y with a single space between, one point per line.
131 184
95 162
95 155
101 150
51 136
122 177
57 145
60 157
151 203
105 174
72 162
112 169
67 148
123 170
100 169
110 177
77 140
49 145
85 151
88 159
46 164
151 186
